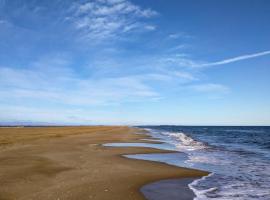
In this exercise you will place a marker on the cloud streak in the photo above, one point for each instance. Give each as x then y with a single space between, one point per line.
183 60
235 59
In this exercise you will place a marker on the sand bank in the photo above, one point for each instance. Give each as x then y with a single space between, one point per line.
71 163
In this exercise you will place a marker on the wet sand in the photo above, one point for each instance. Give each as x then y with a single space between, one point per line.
173 189
71 163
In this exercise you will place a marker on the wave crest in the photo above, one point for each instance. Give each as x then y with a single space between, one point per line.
185 142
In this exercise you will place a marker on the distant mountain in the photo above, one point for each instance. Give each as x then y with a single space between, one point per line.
26 123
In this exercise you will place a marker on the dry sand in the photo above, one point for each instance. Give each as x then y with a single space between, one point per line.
56 163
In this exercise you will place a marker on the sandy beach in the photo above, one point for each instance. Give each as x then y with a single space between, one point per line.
71 163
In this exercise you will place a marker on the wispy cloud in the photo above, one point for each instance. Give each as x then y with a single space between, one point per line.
210 88
183 60
179 35
106 19
235 59
187 76
54 81
78 92
178 47
3 21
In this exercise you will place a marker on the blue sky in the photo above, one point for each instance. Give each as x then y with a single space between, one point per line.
182 62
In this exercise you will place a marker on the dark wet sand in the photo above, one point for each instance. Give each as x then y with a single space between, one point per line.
173 189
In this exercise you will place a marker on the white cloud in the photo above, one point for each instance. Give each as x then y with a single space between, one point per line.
210 88
108 7
53 85
2 21
180 60
81 92
183 60
235 59
53 81
150 27
180 35
106 19
185 75
179 47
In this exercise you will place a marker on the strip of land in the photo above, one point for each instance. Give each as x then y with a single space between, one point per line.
70 163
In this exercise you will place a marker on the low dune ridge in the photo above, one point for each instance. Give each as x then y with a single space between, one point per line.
71 163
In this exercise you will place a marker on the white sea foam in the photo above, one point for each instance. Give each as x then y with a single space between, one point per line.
236 175
202 159
184 142
201 194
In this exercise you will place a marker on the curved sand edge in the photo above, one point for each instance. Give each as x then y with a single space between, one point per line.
45 164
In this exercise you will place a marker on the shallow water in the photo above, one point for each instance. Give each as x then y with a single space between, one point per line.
163 146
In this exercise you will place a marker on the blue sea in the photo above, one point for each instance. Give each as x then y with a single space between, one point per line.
238 158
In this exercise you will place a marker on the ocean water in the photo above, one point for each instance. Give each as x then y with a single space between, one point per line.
238 159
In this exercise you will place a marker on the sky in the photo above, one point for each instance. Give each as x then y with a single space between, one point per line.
135 62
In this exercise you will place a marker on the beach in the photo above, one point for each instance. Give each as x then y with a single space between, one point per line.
72 163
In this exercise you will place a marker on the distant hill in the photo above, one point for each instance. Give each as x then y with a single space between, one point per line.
3 124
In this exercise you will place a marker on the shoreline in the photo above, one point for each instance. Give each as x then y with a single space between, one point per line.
71 163
162 189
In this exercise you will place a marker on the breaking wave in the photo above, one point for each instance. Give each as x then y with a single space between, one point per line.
184 142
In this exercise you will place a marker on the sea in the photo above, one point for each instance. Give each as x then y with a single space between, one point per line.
238 158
